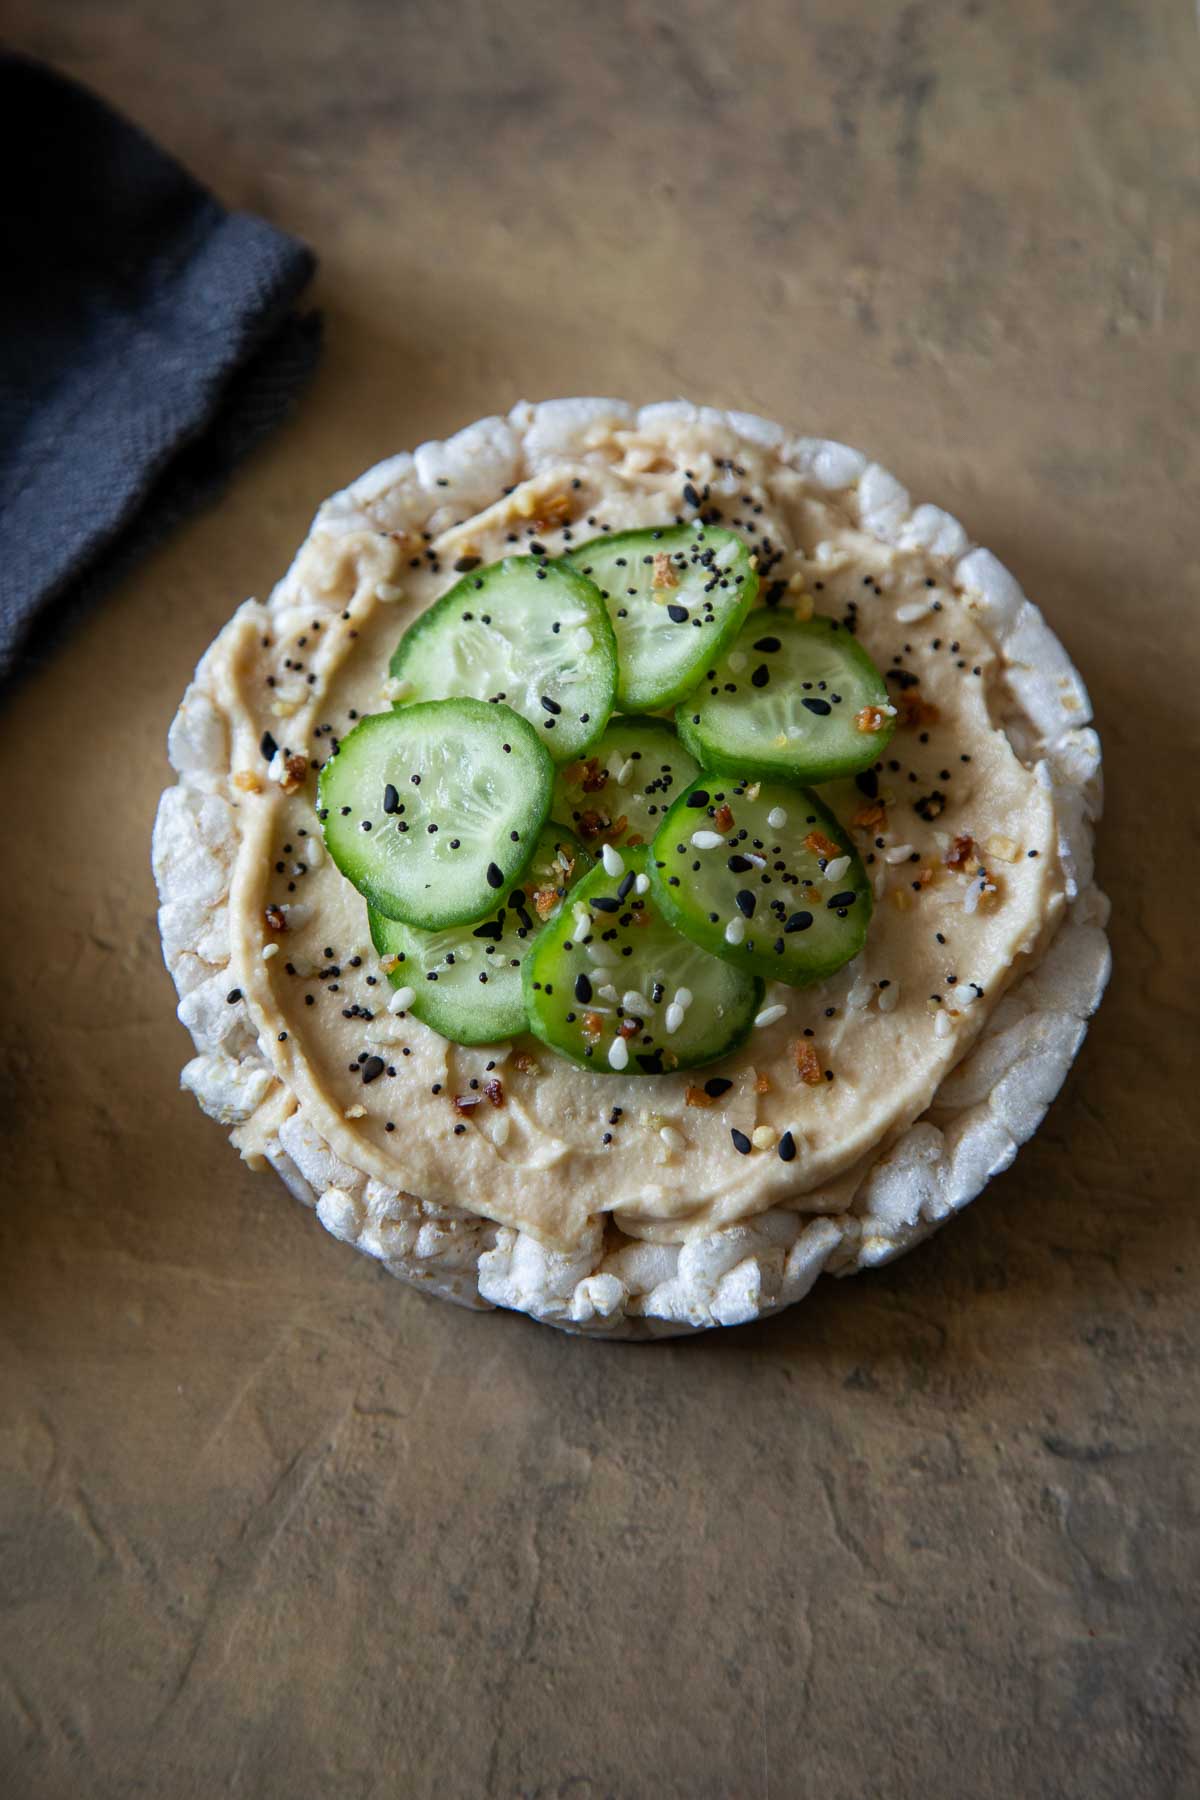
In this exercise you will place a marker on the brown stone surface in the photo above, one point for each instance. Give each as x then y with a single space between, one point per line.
272 1525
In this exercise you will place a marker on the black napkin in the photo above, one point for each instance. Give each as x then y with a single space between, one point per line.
147 340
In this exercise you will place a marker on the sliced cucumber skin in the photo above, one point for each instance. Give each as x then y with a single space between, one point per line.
640 690
337 785
547 961
702 735
658 740
801 965
415 656
499 1011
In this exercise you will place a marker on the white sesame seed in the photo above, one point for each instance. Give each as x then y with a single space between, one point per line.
911 611
889 998
943 1025
835 869
634 1002
618 1054
585 642
897 853
602 954
777 818
387 591
642 884
268 951
402 999
501 1128
737 661
625 771
674 1140
673 1018
707 840
769 1015
614 862
683 997
608 992
763 1136
735 931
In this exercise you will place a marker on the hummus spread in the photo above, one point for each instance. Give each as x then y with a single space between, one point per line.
958 833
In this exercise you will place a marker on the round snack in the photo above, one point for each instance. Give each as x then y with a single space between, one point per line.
832 1124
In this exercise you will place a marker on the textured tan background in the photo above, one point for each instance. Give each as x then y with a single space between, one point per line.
271 1525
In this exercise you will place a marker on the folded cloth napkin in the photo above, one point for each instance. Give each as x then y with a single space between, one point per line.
147 340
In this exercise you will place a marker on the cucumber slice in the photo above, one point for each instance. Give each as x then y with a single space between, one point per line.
619 793
762 875
675 595
465 981
528 632
611 985
793 700
434 810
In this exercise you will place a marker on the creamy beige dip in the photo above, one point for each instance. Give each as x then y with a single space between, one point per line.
957 832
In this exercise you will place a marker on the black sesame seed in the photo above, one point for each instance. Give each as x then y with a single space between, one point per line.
741 1142
821 707
233 996
494 876
799 921
268 746
787 1147
716 1086
678 615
